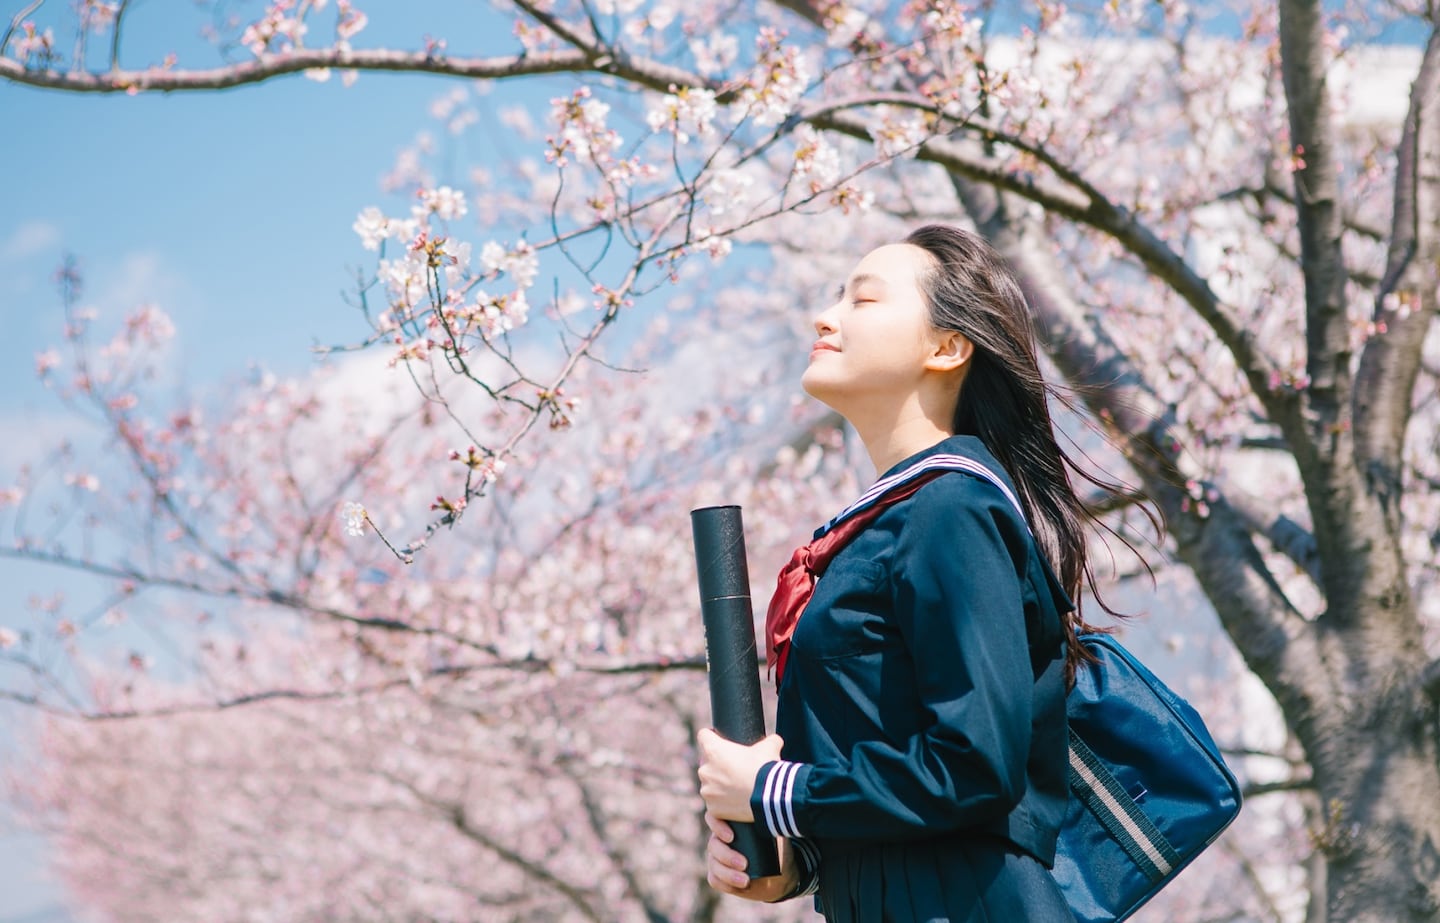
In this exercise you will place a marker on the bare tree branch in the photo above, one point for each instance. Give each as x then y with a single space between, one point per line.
532 868
1267 754
15 24
300 605
1406 304
610 843
1263 193
1255 203
1317 193
1255 789
115 35
1100 503
1286 535
269 67
1253 877
583 43
528 665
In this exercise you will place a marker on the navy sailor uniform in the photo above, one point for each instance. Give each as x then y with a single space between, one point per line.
923 712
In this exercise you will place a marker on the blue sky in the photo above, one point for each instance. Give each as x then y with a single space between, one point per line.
230 210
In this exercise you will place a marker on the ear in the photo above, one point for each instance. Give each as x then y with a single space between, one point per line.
952 350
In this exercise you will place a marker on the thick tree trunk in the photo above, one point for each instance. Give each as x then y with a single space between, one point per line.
1377 768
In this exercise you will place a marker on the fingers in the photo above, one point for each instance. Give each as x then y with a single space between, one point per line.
720 828
724 855
725 868
727 882
718 848
706 739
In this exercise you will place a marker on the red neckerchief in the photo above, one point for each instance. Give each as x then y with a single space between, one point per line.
797 579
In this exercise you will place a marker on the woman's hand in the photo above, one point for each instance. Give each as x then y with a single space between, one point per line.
728 771
725 868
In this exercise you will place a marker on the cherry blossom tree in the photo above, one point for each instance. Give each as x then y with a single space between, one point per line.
1224 219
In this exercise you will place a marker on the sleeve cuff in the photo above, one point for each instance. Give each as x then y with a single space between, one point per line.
807 862
772 799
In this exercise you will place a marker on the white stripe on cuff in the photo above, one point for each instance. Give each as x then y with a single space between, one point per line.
766 795
779 789
788 806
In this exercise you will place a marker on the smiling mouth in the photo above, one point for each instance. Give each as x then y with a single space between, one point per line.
823 347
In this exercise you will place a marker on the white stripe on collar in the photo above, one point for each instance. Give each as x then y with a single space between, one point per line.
943 461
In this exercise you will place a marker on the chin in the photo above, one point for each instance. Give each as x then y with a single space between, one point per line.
810 382
829 393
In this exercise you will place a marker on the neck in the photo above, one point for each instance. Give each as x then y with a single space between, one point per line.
890 442
894 427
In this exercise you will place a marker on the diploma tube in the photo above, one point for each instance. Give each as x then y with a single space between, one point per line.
733 668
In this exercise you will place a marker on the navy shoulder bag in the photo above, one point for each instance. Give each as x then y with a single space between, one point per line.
1149 790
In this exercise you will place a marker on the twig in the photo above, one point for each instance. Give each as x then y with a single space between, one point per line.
15 24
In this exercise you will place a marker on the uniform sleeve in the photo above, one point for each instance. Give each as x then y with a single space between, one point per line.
807 865
959 610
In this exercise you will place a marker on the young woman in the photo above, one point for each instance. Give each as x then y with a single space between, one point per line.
919 765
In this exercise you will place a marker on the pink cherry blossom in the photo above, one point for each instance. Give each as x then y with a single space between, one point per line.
445 203
372 226
351 21
686 113
46 361
355 517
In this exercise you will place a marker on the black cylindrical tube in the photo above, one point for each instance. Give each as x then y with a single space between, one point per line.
734 669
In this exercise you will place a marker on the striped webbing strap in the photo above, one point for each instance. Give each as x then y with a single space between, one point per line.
1102 793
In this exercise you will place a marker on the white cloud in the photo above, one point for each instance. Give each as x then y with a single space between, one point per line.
31 238
28 436
140 278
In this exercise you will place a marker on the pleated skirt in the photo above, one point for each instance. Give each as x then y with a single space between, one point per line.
969 880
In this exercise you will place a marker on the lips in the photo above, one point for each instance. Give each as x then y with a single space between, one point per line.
822 346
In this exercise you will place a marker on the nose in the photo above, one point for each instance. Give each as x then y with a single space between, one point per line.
824 322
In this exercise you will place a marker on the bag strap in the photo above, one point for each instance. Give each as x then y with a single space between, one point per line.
1103 794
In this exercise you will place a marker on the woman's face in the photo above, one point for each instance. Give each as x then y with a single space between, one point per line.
875 343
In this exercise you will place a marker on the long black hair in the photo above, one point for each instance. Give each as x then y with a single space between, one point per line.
1004 401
